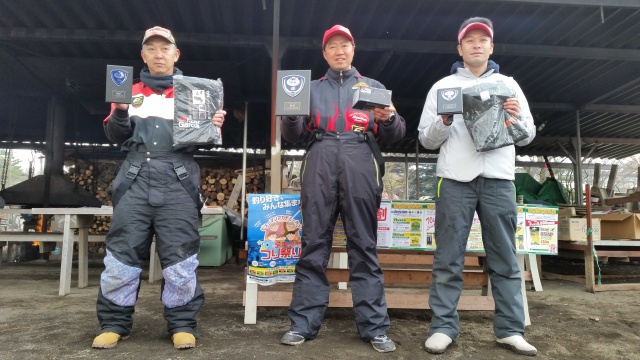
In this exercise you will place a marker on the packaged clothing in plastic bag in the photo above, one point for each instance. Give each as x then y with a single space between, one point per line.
486 119
195 102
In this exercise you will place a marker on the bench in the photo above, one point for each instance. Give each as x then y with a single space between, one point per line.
400 267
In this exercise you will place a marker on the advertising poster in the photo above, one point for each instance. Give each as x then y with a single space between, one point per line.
474 242
541 228
429 234
521 241
384 224
408 224
273 236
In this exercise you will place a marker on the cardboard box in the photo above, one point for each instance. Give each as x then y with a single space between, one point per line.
619 226
575 229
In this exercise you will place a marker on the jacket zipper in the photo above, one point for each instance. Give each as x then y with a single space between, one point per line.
341 79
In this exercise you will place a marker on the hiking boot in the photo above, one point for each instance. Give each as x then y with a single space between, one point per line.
383 344
292 338
107 340
437 343
183 340
518 345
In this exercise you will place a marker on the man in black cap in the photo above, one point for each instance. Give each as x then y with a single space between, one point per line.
155 193
475 181
342 175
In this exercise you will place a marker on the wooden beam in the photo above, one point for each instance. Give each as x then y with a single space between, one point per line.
411 276
225 40
632 4
623 199
410 259
617 287
395 300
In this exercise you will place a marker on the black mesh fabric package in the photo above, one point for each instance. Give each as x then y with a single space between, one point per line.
486 119
195 102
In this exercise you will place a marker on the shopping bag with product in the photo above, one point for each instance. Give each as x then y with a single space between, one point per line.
195 102
488 123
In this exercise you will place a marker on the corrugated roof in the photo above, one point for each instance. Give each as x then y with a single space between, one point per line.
567 55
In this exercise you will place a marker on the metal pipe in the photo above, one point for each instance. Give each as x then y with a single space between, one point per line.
406 176
417 170
244 169
578 173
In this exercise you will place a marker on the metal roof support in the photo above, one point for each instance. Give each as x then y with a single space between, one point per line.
406 176
577 176
566 152
276 146
417 170
244 169
595 145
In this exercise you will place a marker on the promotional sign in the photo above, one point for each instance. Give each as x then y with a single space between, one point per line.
273 236
275 230
541 229
293 90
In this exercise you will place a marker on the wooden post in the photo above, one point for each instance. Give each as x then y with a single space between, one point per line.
612 179
589 276
67 257
83 256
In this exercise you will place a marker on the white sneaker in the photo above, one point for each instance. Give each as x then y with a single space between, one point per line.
518 345
437 343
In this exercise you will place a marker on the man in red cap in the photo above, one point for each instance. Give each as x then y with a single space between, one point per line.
154 193
472 181
342 175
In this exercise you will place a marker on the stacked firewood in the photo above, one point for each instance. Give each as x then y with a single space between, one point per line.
216 186
97 179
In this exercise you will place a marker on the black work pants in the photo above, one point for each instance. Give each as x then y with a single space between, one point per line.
339 176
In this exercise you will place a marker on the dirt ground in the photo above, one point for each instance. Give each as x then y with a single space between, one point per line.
35 323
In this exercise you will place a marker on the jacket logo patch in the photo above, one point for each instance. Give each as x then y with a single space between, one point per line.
293 84
359 85
119 76
137 101
449 94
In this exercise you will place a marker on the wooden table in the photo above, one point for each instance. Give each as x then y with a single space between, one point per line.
82 220
603 248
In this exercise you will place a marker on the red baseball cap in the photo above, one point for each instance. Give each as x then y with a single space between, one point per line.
159 31
475 26
336 30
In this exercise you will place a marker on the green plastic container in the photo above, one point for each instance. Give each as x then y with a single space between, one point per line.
215 247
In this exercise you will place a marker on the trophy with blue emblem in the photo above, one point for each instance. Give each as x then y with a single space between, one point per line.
293 92
118 84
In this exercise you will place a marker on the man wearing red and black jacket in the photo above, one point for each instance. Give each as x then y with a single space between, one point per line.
154 193
341 175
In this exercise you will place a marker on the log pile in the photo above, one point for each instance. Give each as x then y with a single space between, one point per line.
97 179
216 186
